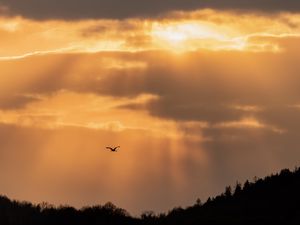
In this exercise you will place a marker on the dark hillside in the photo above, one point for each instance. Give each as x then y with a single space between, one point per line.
272 200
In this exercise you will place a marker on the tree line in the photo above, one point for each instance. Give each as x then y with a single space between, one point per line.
272 200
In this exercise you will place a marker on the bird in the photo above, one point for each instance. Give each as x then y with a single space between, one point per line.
113 149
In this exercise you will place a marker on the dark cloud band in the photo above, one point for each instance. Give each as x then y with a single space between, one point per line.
117 9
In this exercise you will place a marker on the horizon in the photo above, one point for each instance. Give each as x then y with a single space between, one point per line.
198 94
230 190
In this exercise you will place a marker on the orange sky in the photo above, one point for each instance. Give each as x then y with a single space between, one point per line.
197 100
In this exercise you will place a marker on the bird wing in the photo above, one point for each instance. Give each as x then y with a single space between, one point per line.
109 148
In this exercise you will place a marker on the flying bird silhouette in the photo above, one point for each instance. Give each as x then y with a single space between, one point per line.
113 149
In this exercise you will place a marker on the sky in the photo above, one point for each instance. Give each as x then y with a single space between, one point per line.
199 95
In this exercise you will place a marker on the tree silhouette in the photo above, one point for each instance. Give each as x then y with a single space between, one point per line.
238 189
272 200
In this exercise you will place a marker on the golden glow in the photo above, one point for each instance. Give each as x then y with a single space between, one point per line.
247 123
204 29
179 35
93 112
166 89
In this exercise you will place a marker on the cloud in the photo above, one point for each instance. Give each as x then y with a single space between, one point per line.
115 9
16 101
186 88
180 32
204 118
